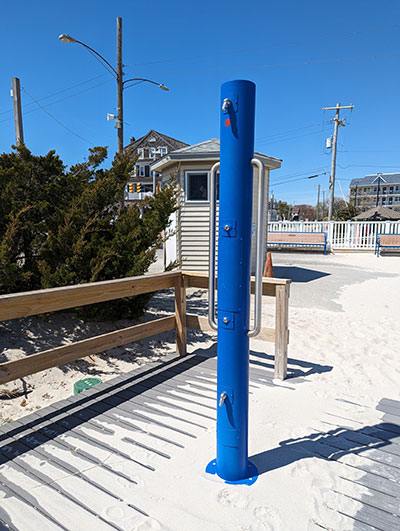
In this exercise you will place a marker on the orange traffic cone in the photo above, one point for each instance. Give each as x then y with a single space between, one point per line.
268 269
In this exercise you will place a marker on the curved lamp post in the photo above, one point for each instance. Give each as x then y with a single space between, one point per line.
118 74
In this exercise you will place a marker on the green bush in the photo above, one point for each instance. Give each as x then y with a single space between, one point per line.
62 227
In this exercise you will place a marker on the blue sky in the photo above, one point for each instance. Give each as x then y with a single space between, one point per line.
301 55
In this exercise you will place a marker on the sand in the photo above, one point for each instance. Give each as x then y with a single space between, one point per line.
343 358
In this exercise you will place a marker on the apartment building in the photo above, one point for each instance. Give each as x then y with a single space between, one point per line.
380 189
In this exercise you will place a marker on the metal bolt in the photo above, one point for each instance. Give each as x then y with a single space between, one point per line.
225 320
226 227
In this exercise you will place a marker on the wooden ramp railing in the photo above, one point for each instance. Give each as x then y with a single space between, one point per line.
25 304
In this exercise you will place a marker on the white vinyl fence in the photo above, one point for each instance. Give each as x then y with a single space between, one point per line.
342 234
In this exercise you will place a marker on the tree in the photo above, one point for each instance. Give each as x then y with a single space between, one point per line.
74 230
283 209
343 211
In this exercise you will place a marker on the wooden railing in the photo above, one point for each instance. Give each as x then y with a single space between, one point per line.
25 304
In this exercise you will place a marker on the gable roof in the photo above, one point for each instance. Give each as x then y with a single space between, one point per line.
377 214
389 178
205 151
165 140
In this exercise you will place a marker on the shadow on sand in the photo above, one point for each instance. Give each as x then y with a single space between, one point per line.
298 274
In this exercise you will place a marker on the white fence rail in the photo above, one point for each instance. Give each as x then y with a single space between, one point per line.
342 234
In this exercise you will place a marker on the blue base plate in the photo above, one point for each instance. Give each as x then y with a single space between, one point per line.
252 474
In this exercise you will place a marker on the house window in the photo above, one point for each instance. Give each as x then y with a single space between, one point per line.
152 153
147 171
141 153
390 200
197 186
163 151
391 190
141 171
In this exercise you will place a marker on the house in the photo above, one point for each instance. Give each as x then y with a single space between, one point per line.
191 167
379 213
380 189
149 147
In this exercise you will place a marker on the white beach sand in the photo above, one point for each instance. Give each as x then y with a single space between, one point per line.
344 357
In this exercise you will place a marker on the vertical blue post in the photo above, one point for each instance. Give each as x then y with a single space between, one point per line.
234 246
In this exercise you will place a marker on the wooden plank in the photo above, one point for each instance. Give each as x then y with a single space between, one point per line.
198 322
281 328
16 305
200 280
201 323
180 315
58 356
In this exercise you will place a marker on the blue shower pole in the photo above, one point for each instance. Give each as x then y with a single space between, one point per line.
234 247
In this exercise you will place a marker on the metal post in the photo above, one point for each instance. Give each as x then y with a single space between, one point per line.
16 95
120 88
234 246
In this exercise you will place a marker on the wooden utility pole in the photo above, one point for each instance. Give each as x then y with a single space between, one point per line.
337 122
318 195
16 96
119 124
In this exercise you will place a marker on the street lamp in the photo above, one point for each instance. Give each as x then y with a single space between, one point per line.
118 74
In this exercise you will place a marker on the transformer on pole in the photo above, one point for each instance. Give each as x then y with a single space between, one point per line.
234 251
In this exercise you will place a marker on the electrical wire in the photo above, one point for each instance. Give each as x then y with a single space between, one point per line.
274 45
279 65
55 119
290 138
60 92
299 179
55 102
284 133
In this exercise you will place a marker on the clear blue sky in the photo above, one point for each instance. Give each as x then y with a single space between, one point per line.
301 55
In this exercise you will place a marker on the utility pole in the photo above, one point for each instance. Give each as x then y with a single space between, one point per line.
337 122
323 203
119 124
16 96
355 196
319 189
379 178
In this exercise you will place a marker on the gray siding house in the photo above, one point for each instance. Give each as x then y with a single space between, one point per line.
191 166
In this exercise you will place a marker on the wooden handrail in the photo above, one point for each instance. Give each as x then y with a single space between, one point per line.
200 280
10 370
16 305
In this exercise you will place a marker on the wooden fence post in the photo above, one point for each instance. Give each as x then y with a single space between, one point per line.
180 314
281 331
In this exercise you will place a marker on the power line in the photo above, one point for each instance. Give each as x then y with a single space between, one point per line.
60 92
290 138
305 172
56 120
299 179
57 101
278 65
274 45
284 133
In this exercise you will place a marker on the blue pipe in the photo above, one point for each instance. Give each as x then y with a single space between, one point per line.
234 246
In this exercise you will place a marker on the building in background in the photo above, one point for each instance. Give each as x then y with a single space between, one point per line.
190 225
150 147
380 189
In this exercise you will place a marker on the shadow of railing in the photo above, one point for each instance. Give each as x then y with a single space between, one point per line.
330 445
36 429
296 368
